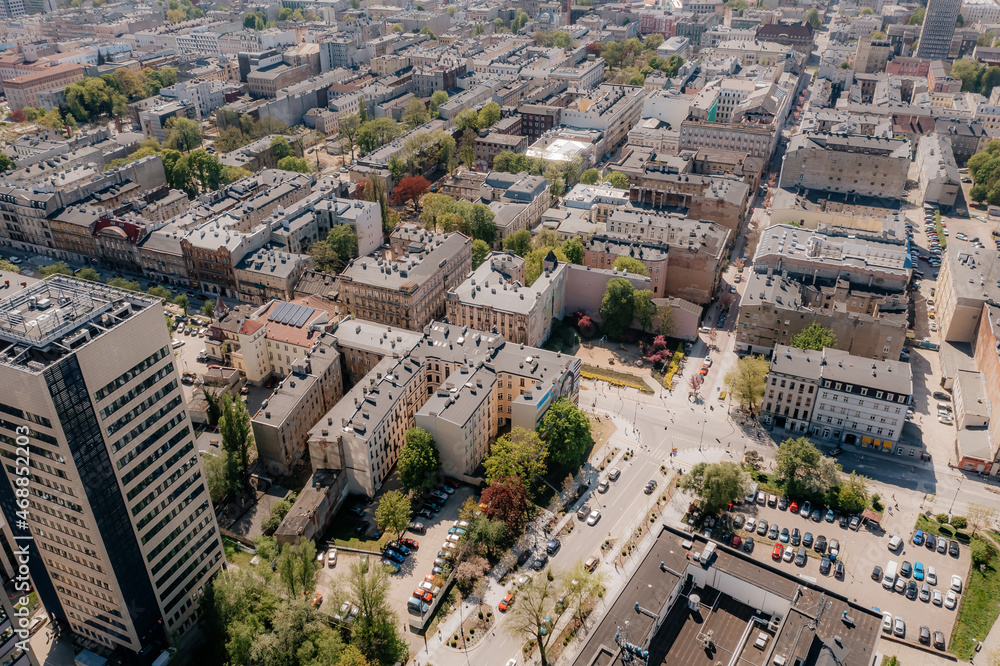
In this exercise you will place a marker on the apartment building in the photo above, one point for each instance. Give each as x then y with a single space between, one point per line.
269 274
490 383
862 165
124 537
23 90
790 393
966 281
408 288
611 109
495 298
834 255
311 389
775 308
939 180
862 402
490 144
872 56
938 28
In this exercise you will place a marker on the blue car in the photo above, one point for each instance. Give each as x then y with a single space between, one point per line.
393 555
830 515
918 570
918 538
391 565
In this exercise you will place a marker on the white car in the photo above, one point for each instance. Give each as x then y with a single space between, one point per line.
448 545
899 627
789 554
886 622
453 537
936 597
512 662
750 525
932 326
931 575
956 583
331 558
594 516
950 600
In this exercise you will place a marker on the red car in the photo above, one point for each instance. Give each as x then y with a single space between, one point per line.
451 482
736 541
317 600
410 543
423 595
794 508
704 370
507 601
777 552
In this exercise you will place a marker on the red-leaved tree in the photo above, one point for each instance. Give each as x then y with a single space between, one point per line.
18 116
359 189
410 188
585 325
658 351
507 501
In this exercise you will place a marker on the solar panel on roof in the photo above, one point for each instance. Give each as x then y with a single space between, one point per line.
293 314
277 312
303 317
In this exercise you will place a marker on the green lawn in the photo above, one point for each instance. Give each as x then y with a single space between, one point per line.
977 612
928 524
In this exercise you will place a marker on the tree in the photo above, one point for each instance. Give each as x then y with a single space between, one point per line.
979 551
590 177
393 512
410 188
277 514
183 134
213 402
237 436
419 462
489 115
297 164
747 381
374 631
297 567
433 206
565 429
672 67
814 337
617 307
632 265
438 98
8 267
207 308
980 516
519 453
535 614
480 250
349 127
717 484
58 268
467 119
852 496
415 114
580 585
506 500
6 164
918 17
122 283
215 475
813 17
343 240
397 168
618 180
88 273
804 470
280 148
518 242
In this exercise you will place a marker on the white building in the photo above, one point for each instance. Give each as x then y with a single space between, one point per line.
938 180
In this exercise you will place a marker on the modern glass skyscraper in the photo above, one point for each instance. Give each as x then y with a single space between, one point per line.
121 533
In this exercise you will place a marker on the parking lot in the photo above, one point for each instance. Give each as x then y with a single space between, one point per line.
861 551
414 567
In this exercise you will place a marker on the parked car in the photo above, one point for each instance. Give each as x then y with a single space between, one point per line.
824 566
796 537
956 583
748 544
777 552
939 640
762 528
906 570
594 516
552 547
506 602
807 540
899 627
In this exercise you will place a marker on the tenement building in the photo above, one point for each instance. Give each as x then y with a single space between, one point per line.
406 287
459 384
495 298
124 537
858 164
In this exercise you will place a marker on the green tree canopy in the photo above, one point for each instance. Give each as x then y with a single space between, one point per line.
590 177
804 470
814 337
294 164
617 180
480 250
632 265
518 242
280 148
393 512
183 134
812 16
58 268
565 429
519 453
617 309
573 250
415 114
747 381
419 462
717 484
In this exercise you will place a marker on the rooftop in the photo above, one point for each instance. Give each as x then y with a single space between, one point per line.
892 376
53 317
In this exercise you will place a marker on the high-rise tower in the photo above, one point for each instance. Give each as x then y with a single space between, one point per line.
119 524
938 29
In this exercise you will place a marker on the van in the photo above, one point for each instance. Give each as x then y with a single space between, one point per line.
752 493
416 606
889 579
895 541
772 500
